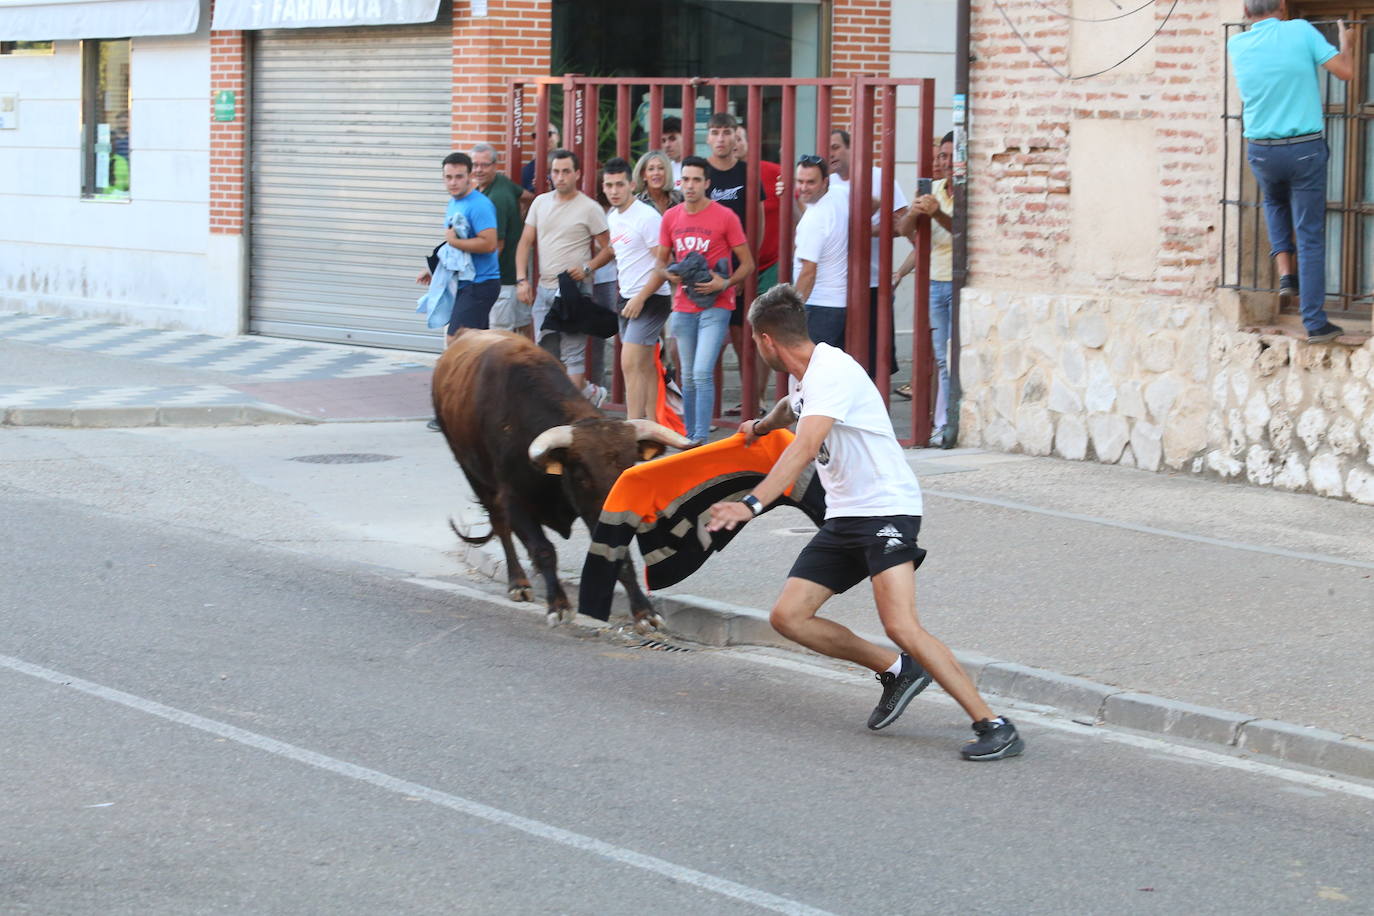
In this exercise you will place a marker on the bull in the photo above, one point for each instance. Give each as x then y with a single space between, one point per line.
537 455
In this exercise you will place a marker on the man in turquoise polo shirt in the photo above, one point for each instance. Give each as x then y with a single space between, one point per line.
1276 63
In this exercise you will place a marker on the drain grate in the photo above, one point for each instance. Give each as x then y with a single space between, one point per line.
660 646
344 458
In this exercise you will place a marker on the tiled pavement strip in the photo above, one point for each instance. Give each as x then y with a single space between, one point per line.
282 380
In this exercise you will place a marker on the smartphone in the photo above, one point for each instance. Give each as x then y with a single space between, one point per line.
922 186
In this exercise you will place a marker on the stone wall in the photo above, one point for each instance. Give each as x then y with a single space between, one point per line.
1158 383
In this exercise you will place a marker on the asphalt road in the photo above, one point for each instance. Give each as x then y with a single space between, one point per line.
193 723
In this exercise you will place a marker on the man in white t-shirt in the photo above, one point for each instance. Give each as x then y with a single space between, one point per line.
839 179
820 258
873 514
644 308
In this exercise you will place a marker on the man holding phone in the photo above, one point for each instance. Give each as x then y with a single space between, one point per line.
937 203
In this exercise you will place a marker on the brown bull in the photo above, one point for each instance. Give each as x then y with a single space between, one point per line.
536 453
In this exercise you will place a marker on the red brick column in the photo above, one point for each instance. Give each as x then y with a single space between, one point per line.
228 155
512 40
860 44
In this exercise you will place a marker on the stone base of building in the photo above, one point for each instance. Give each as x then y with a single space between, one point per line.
1160 384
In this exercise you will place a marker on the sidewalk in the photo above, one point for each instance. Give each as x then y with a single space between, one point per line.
1113 594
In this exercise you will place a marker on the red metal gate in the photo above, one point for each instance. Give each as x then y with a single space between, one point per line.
872 103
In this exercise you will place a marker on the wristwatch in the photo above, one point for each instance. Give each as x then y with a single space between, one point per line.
753 503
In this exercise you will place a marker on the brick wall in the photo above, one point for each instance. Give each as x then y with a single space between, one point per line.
228 154
1022 129
512 40
861 35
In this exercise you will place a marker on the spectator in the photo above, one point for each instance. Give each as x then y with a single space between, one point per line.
938 205
508 313
820 263
527 173
605 276
644 308
671 144
654 182
840 178
563 225
1276 65
770 173
702 226
728 177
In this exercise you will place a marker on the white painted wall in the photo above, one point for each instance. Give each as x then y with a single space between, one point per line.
144 260
922 45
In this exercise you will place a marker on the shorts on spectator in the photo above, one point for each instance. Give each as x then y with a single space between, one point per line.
472 305
645 327
508 313
847 551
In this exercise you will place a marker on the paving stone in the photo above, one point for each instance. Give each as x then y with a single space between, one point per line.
1048 688
1293 743
114 417
1147 713
39 416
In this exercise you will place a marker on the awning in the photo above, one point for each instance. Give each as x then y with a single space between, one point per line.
312 14
28 20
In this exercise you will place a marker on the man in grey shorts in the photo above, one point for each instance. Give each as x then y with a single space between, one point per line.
564 225
644 308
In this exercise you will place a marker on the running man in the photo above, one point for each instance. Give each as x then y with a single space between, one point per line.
873 514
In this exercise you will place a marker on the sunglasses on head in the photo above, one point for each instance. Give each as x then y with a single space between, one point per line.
810 160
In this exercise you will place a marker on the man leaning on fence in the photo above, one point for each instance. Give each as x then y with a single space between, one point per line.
1276 63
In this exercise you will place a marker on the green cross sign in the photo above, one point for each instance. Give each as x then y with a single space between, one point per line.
224 105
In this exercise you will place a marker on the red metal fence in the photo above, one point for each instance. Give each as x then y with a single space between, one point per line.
873 103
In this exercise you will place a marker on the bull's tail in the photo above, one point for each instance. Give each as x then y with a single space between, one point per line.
475 542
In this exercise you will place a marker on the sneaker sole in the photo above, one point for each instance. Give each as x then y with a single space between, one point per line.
1323 338
1011 750
902 703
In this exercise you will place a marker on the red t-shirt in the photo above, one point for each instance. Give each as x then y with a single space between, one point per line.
715 232
768 243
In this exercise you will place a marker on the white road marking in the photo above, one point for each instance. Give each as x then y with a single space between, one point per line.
722 886
1049 720
1148 529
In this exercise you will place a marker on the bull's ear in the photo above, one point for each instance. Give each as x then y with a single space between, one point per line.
551 462
648 448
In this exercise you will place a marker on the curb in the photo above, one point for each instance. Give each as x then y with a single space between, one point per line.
718 623
133 417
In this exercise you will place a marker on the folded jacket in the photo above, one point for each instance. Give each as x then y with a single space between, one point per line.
693 269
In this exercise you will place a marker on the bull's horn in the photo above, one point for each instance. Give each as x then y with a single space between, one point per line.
550 439
656 432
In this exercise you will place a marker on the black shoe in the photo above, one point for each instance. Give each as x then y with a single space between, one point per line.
898 691
995 740
1326 332
433 425
1288 289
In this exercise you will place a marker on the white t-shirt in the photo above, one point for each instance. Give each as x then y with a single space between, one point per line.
823 238
860 463
677 174
634 235
899 201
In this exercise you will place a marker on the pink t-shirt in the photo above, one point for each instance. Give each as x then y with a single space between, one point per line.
715 232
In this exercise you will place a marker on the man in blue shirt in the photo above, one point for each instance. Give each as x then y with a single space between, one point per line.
475 216
1276 63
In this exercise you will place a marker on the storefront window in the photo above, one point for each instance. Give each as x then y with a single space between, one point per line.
105 120
677 38
18 48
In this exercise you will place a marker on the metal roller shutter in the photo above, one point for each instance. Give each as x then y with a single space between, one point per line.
349 126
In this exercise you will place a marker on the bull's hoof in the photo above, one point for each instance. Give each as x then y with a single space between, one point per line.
552 618
648 624
569 614
520 593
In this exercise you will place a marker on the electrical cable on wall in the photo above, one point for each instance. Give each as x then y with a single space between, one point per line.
1048 9
1060 73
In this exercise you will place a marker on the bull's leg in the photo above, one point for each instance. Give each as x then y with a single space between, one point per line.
545 560
646 621
517 582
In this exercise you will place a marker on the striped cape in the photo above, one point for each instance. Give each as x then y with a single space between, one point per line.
665 505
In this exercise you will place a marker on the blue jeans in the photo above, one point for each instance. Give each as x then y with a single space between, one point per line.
1293 179
941 294
700 337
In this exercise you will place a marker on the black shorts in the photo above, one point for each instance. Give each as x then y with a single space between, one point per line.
472 305
847 551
